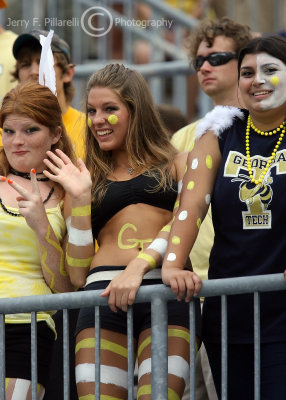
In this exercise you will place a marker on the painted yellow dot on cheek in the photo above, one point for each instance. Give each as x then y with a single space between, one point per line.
209 161
274 80
112 119
89 123
176 240
199 222
191 185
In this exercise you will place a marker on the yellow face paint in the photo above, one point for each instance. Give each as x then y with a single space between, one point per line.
274 80
83 211
192 146
89 122
112 119
191 185
209 161
176 240
199 222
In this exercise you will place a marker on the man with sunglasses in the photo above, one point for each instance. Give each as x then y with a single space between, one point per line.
214 48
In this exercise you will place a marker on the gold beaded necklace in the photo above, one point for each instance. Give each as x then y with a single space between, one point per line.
247 146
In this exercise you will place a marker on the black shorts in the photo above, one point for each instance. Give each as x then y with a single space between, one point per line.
18 350
178 313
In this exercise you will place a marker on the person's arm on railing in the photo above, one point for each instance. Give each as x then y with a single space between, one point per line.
198 183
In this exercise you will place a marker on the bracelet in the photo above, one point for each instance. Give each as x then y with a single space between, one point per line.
147 257
82 211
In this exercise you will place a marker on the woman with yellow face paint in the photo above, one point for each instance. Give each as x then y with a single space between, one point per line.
239 164
32 228
126 195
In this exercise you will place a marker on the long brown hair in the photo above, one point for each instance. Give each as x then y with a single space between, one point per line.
40 104
147 142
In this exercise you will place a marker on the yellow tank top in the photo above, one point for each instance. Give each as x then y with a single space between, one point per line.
20 265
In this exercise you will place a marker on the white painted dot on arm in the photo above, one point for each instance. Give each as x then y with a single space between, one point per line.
208 199
180 185
171 257
195 163
183 215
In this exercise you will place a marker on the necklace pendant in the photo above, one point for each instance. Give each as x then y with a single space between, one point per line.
130 170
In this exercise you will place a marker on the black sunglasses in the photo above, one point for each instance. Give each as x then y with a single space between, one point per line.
214 59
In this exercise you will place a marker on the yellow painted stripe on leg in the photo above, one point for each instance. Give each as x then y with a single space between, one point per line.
172 395
104 345
179 333
146 389
6 382
143 390
102 397
144 344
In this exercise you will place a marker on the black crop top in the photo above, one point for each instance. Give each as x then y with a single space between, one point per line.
121 194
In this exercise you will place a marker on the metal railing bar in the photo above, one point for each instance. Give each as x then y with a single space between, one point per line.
2 357
224 347
192 350
215 287
34 370
164 45
66 355
130 353
159 339
97 353
256 346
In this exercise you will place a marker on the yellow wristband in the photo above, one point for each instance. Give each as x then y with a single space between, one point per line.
78 262
83 211
147 257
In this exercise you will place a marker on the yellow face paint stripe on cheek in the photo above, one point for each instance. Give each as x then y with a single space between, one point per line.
274 80
209 161
112 119
83 211
89 122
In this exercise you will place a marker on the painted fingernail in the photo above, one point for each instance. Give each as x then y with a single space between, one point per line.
10 181
3 179
33 170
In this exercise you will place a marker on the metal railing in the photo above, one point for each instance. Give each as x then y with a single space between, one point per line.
158 295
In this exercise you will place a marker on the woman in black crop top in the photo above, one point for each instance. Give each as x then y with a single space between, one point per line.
131 180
